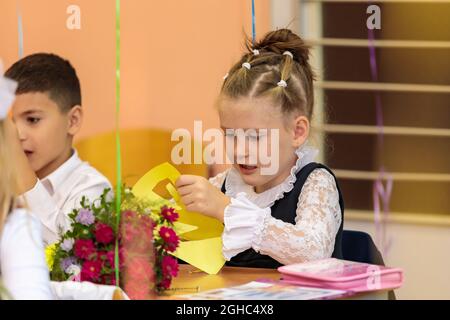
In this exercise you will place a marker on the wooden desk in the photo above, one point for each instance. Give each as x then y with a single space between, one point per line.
191 280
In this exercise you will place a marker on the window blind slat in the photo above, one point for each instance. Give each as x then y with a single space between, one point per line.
378 86
377 1
349 42
386 130
396 176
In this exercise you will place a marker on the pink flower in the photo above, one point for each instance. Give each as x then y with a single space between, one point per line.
128 215
90 270
129 231
138 235
148 224
169 214
104 233
84 249
140 267
139 277
169 267
170 238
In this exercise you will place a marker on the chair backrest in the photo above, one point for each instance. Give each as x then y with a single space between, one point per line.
358 246
142 149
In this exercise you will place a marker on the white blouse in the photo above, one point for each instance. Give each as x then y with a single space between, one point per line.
249 224
23 269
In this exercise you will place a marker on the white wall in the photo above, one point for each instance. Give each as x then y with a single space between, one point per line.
424 254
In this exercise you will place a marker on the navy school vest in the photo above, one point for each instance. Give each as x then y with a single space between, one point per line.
285 210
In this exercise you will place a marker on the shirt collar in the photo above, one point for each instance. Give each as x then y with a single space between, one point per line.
54 180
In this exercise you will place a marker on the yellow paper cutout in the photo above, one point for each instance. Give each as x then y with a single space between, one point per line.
205 255
204 248
207 227
182 228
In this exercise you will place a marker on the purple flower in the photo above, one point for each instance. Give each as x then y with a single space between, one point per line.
67 244
85 217
67 262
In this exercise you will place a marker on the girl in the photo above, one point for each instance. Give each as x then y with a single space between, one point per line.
23 268
296 214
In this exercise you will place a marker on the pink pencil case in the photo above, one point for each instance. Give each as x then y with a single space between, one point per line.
342 275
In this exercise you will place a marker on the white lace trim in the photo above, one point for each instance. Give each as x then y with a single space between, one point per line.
312 237
235 185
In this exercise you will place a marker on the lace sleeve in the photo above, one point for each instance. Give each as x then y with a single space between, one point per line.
317 223
218 180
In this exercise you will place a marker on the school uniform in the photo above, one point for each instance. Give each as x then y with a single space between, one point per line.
299 220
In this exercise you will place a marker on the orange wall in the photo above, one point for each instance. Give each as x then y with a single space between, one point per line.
174 54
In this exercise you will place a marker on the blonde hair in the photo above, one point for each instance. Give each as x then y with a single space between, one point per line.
8 177
276 67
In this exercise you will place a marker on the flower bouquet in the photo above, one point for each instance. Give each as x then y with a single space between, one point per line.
140 243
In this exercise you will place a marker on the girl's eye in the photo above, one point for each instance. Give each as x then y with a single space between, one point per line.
33 120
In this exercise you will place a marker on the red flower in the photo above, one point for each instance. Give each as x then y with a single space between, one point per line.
111 257
169 214
165 283
90 270
102 256
169 267
84 249
170 238
104 233
108 279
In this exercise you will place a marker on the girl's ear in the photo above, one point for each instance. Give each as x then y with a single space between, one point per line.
75 117
301 131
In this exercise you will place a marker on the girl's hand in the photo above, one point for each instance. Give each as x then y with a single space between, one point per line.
198 195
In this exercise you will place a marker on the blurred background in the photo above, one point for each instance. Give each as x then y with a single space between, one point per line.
384 124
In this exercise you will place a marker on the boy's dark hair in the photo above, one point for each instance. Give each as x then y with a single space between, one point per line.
47 73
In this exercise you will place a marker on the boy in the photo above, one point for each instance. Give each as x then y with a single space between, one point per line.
47 113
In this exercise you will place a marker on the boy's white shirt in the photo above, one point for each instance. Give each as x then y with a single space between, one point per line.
53 198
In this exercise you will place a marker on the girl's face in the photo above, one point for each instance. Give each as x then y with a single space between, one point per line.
260 115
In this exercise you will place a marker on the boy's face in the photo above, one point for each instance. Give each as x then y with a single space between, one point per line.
45 132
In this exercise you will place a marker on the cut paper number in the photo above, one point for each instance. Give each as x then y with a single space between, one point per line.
202 247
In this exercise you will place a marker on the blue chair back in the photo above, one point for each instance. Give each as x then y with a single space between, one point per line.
358 246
